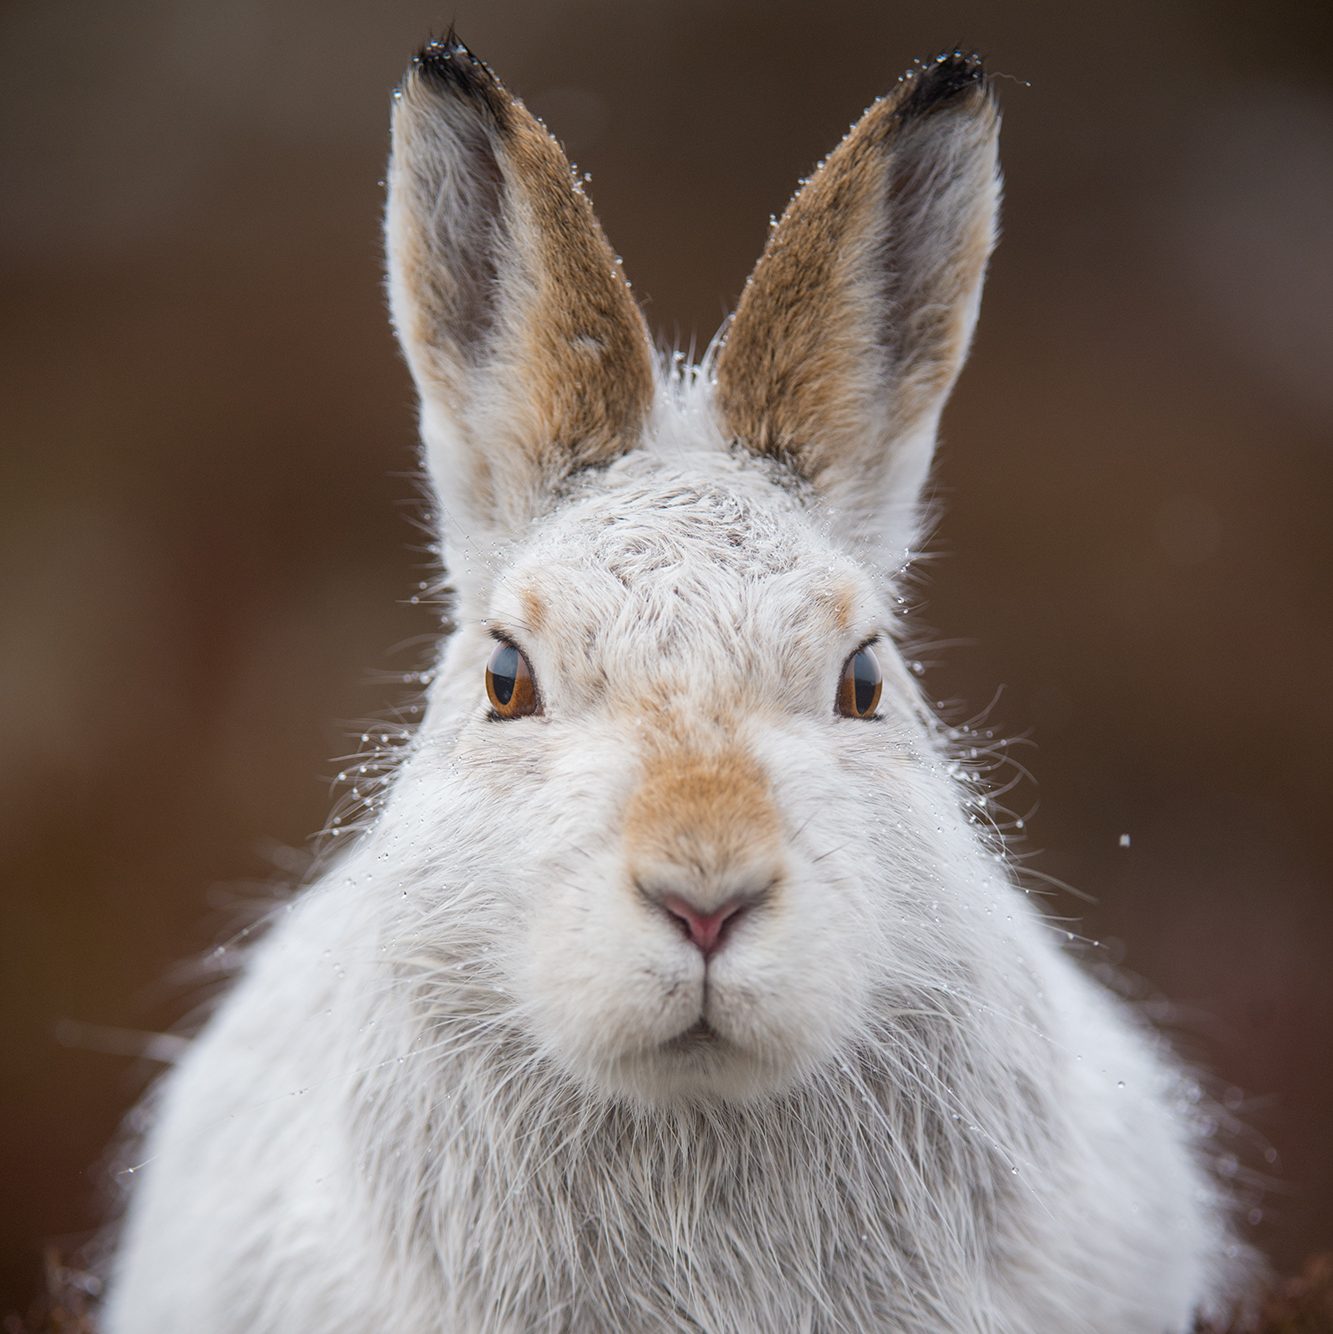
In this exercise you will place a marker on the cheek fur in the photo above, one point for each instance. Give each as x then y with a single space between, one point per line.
602 976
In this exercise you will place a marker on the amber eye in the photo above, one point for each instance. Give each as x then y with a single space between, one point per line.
509 683
859 689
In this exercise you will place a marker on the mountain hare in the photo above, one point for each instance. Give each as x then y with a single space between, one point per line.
678 984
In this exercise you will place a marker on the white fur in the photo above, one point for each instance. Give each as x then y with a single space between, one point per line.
437 1099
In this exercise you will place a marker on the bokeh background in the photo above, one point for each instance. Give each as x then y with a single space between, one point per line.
207 540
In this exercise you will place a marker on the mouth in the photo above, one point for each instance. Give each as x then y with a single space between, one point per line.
699 1064
700 1036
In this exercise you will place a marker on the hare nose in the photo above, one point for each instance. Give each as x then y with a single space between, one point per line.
705 928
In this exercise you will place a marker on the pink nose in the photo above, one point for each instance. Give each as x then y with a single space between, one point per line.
704 928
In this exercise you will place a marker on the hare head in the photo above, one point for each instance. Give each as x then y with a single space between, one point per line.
681 822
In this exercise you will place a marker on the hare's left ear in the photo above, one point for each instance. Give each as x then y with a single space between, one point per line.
530 354
856 321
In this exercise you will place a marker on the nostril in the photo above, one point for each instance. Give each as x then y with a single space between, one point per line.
705 929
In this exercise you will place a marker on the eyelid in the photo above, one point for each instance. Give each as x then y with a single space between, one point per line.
502 636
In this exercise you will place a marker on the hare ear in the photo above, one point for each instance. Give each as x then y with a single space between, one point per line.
857 318
530 355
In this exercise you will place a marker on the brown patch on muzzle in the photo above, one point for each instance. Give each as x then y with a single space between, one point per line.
705 819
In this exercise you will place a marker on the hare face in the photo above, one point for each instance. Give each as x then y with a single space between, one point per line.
696 909
692 842
694 873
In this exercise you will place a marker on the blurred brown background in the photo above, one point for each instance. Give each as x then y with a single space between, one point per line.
205 517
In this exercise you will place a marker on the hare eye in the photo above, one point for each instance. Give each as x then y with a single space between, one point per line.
862 681
509 683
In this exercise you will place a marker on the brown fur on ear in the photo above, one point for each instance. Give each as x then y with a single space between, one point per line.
856 320
530 353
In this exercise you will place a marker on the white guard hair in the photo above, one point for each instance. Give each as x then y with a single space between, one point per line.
476 1077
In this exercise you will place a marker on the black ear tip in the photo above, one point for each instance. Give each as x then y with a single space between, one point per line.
447 65
949 76
445 60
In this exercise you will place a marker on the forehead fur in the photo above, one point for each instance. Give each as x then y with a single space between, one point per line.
685 552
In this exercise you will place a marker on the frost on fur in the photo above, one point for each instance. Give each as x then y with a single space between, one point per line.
682 997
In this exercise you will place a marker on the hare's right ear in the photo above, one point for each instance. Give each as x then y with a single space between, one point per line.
856 320
529 352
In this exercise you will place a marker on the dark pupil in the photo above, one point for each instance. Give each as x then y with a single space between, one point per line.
864 680
504 673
